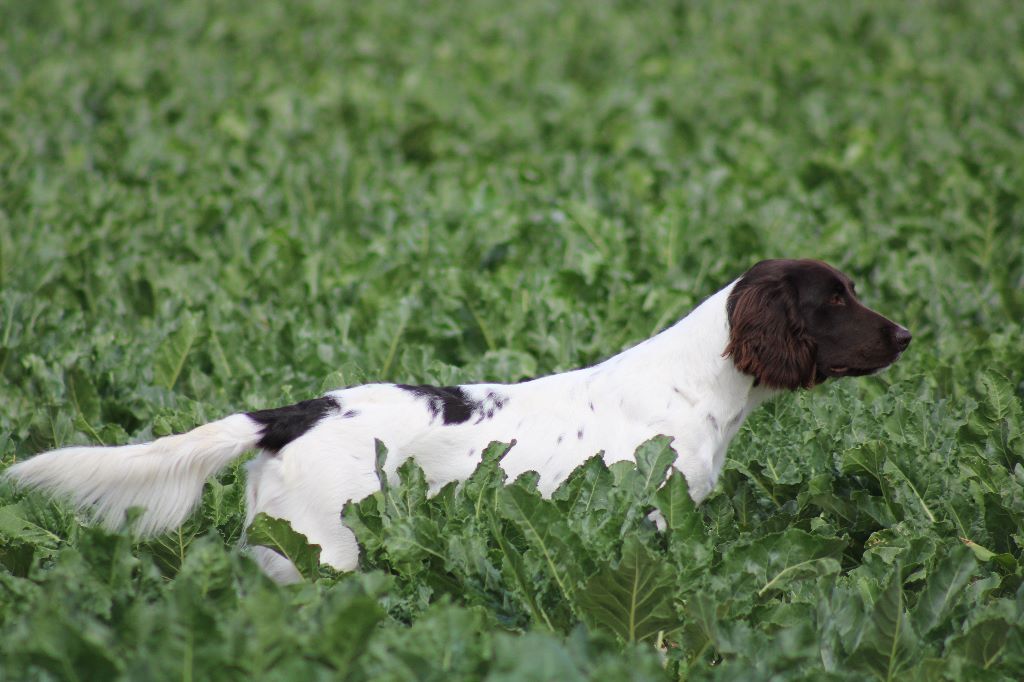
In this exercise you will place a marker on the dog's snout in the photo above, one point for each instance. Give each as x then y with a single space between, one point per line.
902 338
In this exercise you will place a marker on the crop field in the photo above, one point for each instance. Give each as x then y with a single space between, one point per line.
208 207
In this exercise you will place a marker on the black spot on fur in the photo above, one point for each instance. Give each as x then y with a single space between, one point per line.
592 406
491 403
579 433
349 414
690 400
560 439
282 425
454 405
449 402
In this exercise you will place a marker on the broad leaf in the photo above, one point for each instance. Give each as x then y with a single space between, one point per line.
278 535
15 525
772 562
545 531
479 492
83 395
169 359
633 598
985 642
677 507
349 622
653 459
888 643
944 589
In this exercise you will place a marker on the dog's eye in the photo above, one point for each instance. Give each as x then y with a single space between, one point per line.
837 299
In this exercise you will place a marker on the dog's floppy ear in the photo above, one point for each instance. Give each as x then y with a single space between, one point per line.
766 335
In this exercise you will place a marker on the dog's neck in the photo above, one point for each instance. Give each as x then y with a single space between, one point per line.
680 384
689 354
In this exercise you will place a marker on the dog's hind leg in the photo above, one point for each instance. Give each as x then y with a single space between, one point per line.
288 486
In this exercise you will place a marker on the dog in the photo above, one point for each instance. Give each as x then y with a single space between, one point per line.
784 325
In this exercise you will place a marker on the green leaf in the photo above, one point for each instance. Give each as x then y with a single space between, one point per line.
379 460
701 626
580 494
170 357
17 556
277 534
577 657
364 518
1004 560
412 534
481 488
545 531
985 642
653 459
596 508
772 562
1000 402
83 395
944 589
348 622
633 598
888 643
910 487
445 642
15 525
867 458
217 354
689 547
677 507
514 566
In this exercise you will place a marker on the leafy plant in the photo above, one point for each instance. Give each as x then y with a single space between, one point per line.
207 208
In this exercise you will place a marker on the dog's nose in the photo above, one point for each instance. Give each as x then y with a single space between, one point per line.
902 338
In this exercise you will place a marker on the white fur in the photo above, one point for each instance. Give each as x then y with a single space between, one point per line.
677 383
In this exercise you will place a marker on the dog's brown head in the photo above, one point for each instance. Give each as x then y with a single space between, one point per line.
795 323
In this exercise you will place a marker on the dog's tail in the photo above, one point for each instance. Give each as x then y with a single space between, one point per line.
164 477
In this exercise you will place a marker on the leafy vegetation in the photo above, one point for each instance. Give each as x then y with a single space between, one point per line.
207 207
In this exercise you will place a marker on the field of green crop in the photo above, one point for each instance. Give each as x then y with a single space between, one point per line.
209 207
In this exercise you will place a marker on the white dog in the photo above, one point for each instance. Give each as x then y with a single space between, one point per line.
783 325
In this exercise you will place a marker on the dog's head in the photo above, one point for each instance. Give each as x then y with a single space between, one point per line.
795 323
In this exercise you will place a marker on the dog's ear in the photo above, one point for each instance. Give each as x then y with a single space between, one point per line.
766 334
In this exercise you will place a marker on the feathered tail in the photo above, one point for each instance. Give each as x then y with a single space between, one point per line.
164 477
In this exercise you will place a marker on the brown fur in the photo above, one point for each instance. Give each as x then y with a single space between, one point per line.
767 339
795 323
